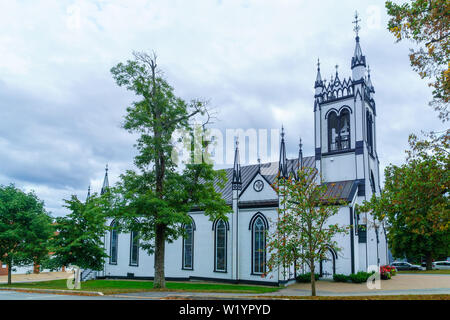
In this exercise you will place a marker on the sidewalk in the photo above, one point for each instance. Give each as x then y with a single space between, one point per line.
44 276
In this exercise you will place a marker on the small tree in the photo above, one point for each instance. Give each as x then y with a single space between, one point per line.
79 239
303 232
25 228
415 201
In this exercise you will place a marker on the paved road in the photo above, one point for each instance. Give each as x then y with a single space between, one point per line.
13 295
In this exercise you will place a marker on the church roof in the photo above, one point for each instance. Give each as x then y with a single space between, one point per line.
268 170
342 190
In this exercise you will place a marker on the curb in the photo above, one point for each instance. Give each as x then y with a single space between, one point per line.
55 291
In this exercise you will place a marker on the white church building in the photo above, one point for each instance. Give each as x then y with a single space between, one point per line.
235 250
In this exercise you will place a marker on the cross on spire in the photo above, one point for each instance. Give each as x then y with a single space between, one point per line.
357 26
337 67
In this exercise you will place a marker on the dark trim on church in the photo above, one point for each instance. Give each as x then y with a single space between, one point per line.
359 148
334 153
318 155
258 204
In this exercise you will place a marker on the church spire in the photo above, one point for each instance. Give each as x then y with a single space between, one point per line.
319 82
237 178
89 193
300 155
283 161
358 59
105 181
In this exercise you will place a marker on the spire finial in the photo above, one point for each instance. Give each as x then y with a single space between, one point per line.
283 161
237 177
105 181
300 154
319 83
337 70
89 193
357 27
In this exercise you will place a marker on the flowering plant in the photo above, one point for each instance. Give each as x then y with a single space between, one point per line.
387 271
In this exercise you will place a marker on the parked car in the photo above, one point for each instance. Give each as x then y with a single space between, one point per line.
405 266
441 265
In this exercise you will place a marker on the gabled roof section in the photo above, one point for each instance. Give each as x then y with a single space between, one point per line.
268 170
341 190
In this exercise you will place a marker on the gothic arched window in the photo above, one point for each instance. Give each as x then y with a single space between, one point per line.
372 182
369 126
188 247
344 130
339 130
134 249
114 243
333 131
220 255
259 245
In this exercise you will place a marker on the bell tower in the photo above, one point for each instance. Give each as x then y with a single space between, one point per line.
345 131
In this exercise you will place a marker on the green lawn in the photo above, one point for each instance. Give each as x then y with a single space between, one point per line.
426 271
125 286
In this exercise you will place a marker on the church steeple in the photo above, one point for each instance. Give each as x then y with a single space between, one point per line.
300 155
283 160
358 59
105 181
237 178
319 82
89 193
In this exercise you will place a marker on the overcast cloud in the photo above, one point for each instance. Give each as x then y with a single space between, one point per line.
255 60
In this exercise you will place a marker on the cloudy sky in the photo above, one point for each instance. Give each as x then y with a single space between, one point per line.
255 60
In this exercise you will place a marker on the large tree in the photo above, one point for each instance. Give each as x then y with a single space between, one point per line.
25 228
154 201
414 204
427 24
303 230
79 239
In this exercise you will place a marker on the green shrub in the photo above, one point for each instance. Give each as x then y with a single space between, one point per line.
386 276
360 277
306 277
341 278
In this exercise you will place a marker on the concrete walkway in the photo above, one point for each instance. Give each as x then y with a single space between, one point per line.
44 276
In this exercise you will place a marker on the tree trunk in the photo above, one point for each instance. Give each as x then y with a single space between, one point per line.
429 261
9 273
160 243
313 279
